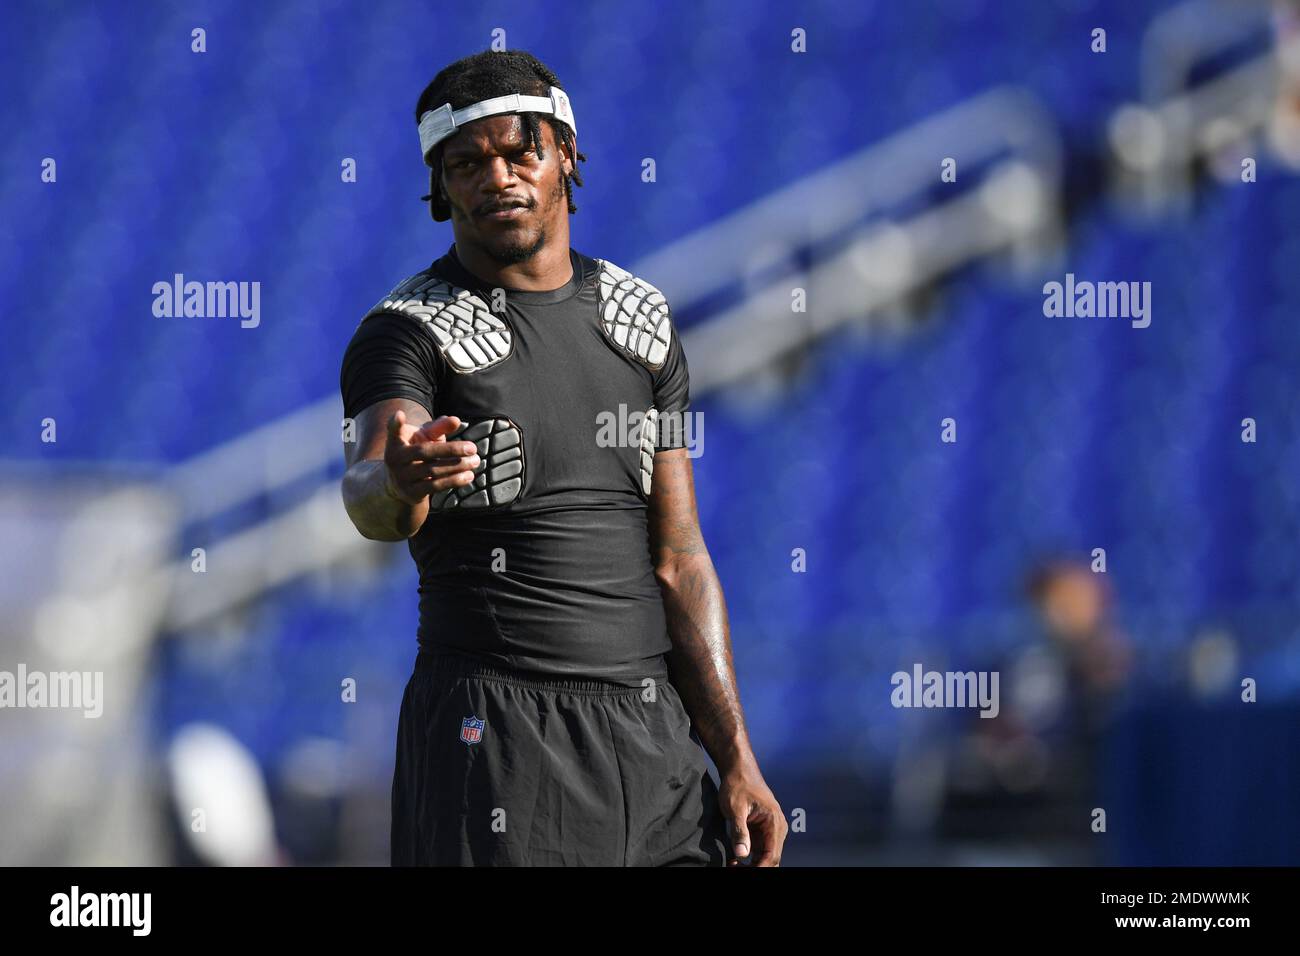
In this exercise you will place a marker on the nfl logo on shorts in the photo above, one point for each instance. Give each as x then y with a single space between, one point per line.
471 730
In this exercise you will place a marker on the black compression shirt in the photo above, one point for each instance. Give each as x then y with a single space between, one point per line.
545 564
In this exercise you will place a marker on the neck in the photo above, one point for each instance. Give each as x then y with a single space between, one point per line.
547 269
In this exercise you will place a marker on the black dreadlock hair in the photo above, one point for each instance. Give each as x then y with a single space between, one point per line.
483 76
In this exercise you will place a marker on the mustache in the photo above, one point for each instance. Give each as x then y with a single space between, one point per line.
498 206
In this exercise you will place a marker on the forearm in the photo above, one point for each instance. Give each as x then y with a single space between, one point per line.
373 510
701 664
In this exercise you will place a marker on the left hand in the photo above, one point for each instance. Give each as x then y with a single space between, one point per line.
750 806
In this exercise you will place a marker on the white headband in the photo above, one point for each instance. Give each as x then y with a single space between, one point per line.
437 125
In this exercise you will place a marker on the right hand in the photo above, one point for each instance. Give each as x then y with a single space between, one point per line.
421 460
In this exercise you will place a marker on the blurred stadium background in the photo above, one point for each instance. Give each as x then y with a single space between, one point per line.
775 170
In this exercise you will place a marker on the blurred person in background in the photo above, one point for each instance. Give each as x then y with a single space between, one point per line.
1033 771
1284 130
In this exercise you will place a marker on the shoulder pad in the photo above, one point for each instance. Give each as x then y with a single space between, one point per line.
649 438
467 334
633 315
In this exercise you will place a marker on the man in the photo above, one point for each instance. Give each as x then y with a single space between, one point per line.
566 595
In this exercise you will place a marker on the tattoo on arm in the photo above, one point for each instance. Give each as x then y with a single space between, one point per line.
701 664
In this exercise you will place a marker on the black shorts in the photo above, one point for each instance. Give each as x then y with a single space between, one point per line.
498 768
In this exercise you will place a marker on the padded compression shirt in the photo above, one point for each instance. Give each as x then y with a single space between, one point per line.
544 564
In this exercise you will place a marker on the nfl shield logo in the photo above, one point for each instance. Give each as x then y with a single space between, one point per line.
471 730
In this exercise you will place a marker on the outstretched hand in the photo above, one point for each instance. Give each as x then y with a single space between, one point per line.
421 460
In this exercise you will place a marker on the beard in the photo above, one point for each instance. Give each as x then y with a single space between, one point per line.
517 247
